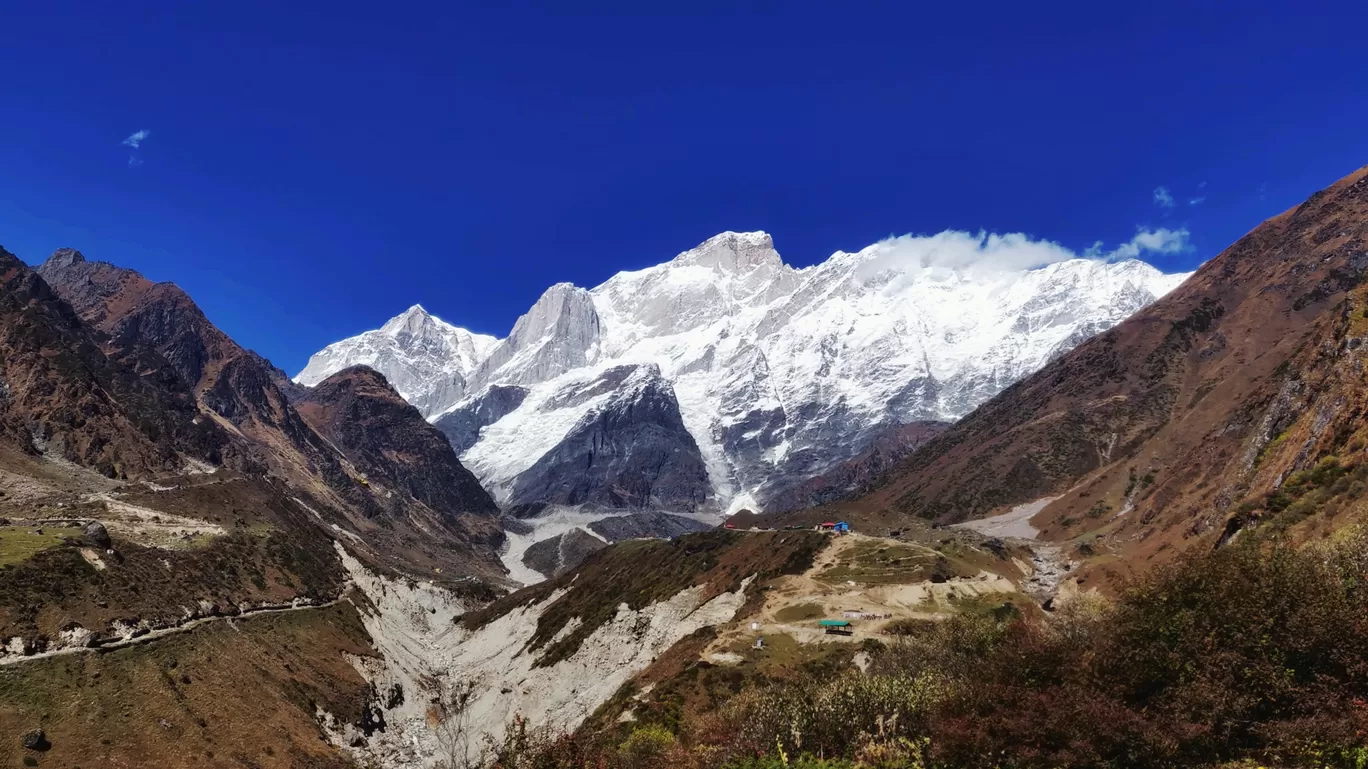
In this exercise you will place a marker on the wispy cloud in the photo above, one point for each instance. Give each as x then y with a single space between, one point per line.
1162 197
135 139
1197 201
953 249
1160 241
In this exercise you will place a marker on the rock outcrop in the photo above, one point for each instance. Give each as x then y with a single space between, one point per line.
632 452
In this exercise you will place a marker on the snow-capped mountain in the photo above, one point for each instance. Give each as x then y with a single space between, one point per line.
426 359
716 379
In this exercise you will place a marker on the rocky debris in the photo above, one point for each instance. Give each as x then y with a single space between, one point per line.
1048 569
642 525
514 525
431 655
35 740
97 535
557 555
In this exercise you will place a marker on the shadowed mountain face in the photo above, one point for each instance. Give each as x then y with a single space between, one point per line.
859 473
1188 420
634 453
387 439
123 414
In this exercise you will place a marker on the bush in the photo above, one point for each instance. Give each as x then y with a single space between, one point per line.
647 747
1250 651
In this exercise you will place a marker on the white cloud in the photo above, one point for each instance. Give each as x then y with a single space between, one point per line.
1162 197
1016 251
1197 201
135 139
1160 241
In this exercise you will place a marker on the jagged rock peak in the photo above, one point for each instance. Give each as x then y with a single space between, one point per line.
562 308
733 252
412 320
65 257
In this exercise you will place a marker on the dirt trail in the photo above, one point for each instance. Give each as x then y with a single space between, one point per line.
1048 564
159 633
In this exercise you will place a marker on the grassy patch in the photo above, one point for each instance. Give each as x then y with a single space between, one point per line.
800 612
875 562
215 696
56 585
19 543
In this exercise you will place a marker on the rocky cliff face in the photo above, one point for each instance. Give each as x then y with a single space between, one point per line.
782 374
633 451
461 425
560 333
124 412
390 442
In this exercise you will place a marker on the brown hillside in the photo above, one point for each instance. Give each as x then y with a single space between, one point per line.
387 440
62 395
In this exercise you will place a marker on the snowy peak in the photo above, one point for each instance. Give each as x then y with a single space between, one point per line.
413 321
733 252
425 358
559 333
562 310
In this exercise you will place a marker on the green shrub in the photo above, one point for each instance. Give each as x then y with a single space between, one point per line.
647 747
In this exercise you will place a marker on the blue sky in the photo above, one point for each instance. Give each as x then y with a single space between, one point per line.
307 173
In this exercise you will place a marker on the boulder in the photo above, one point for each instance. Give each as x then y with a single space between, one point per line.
97 534
35 740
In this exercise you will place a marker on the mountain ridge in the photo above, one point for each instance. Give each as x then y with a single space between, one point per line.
779 373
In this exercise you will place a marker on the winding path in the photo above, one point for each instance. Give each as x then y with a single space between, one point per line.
160 633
